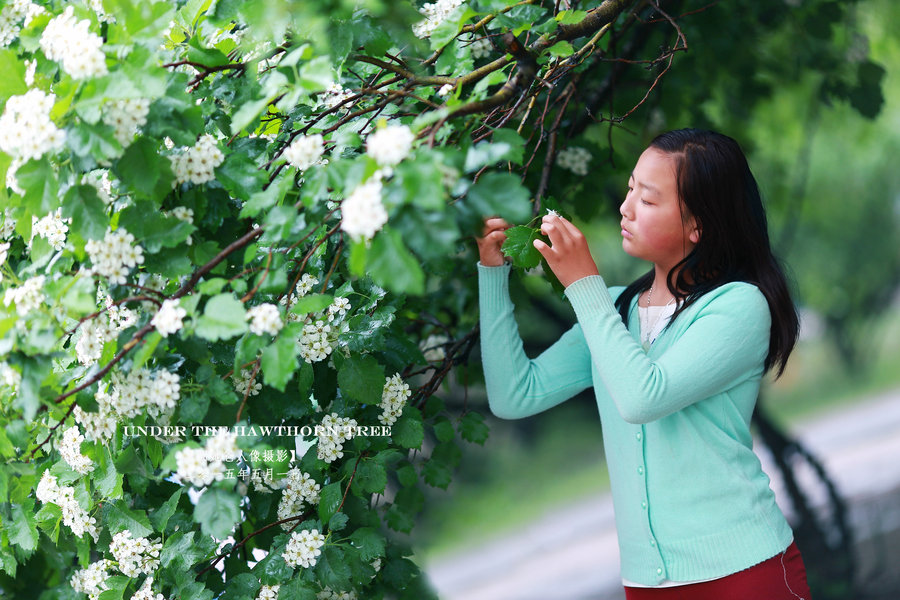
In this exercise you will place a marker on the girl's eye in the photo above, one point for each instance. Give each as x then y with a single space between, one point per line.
647 203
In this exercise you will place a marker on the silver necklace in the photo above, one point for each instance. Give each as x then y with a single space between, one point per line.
646 328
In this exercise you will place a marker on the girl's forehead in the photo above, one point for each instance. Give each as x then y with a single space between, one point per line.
655 167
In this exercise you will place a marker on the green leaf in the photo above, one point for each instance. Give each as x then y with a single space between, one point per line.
338 521
279 359
38 179
408 431
160 517
333 568
561 49
87 211
23 532
262 200
13 81
371 476
311 303
329 500
181 547
570 17
391 265
146 349
407 475
443 430
500 194
218 511
505 144
369 542
118 517
223 318
519 246
473 428
361 378
241 176
297 589
144 171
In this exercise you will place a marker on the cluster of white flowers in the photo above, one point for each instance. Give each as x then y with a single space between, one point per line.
445 89
242 383
338 308
433 347
114 255
262 483
329 594
268 592
74 517
362 212
168 319
98 426
71 43
393 399
30 70
139 390
197 164
265 318
52 228
4 251
315 342
70 449
7 224
10 17
202 466
332 434
299 487
575 159
435 13
102 16
9 377
126 117
183 213
99 180
389 145
303 287
92 580
26 131
94 334
27 297
304 151
334 94
135 555
302 549
146 592
480 48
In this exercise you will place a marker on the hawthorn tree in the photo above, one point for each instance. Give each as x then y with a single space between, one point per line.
236 270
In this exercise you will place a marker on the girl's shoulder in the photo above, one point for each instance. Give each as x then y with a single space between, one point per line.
738 296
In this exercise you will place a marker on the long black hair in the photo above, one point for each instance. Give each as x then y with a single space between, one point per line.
716 187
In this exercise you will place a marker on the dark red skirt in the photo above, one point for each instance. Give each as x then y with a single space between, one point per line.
782 577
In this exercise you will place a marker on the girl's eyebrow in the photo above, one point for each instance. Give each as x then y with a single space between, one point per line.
646 186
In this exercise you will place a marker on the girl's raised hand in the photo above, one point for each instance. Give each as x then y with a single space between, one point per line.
492 237
568 255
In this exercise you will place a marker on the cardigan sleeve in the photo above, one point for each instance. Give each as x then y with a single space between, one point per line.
517 386
725 343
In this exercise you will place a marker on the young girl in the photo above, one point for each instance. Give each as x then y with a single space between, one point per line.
675 360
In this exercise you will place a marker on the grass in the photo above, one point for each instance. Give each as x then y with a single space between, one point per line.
518 479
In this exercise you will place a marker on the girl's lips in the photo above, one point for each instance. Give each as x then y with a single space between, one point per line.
626 234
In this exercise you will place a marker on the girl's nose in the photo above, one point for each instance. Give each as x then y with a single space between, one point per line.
625 208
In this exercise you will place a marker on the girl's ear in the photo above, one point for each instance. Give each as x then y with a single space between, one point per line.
693 231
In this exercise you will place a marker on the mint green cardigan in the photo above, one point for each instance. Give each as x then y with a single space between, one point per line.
691 499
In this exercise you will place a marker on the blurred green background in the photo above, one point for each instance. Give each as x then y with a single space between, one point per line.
813 95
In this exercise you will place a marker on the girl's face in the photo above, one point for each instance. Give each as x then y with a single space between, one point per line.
652 224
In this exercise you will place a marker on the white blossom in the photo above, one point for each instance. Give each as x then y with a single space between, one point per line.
30 70
98 426
329 594
389 145
362 212
70 449
52 228
575 159
435 13
75 517
94 334
433 347
146 592
268 592
480 48
242 383
302 549
168 319
71 43
332 434
334 94
135 555
113 256
338 308
9 377
99 180
305 151
265 318
26 131
28 297
126 117
197 164
315 344
202 466
4 252
12 15
299 489
47 488
92 580
7 222
445 89
393 399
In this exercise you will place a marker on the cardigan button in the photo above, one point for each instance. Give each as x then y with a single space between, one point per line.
644 505
652 542
640 470
659 571
638 436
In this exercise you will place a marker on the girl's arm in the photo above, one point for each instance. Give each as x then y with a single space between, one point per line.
726 343
517 386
